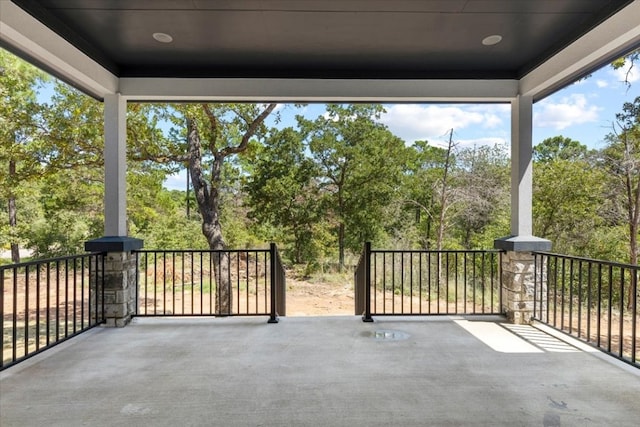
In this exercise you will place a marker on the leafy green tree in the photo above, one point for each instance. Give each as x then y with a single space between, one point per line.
559 147
148 148
361 165
214 134
622 161
29 209
446 196
424 183
241 230
283 191
148 202
482 177
20 126
71 213
75 133
72 186
170 227
568 196
53 152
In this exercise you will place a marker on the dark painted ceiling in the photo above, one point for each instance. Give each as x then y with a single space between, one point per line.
321 38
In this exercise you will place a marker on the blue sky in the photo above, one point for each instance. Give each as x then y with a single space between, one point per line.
583 111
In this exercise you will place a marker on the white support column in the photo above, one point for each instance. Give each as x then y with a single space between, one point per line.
518 262
521 166
115 165
120 280
521 238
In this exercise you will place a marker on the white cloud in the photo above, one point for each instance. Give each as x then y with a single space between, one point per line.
602 83
177 181
569 111
494 115
413 122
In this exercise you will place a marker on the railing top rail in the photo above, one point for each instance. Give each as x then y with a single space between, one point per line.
590 260
48 260
170 251
446 251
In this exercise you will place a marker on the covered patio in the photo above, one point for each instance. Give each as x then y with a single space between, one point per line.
330 371
484 51
442 370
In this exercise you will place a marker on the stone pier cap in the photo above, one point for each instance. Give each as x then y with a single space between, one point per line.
113 244
522 244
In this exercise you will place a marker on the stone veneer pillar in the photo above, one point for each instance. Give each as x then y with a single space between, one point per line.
519 275
120 279
518 268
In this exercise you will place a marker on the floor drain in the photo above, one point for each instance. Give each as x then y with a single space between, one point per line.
389 335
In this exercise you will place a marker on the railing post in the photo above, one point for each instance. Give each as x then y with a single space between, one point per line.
634 313
358 281
367 283
96 306
540 286
273 317
281 281
136 297
101 282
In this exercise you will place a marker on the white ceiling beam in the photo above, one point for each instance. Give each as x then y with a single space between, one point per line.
31 39
316 90
613 38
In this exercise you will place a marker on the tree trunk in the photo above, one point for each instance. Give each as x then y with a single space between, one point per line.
207 194
443 206
634 229
341 246
427 241
224 296
13 217
208 198
633 288
341 227
443 194
13 223
297 245
188 198
632 184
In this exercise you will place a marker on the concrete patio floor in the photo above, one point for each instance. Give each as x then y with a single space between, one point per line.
320 371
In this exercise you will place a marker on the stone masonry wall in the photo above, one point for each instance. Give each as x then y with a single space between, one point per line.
518 275
120 284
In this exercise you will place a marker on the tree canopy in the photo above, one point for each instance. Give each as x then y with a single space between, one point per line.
319 187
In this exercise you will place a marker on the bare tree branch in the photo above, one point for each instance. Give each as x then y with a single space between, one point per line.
253 127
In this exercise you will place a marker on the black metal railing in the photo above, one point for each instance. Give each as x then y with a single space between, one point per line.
45 302
593 300
420 282
246 282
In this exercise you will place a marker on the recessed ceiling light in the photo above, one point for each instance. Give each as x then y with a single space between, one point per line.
491 40
163 37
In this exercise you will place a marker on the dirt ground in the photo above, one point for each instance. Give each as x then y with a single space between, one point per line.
316 297
319 299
